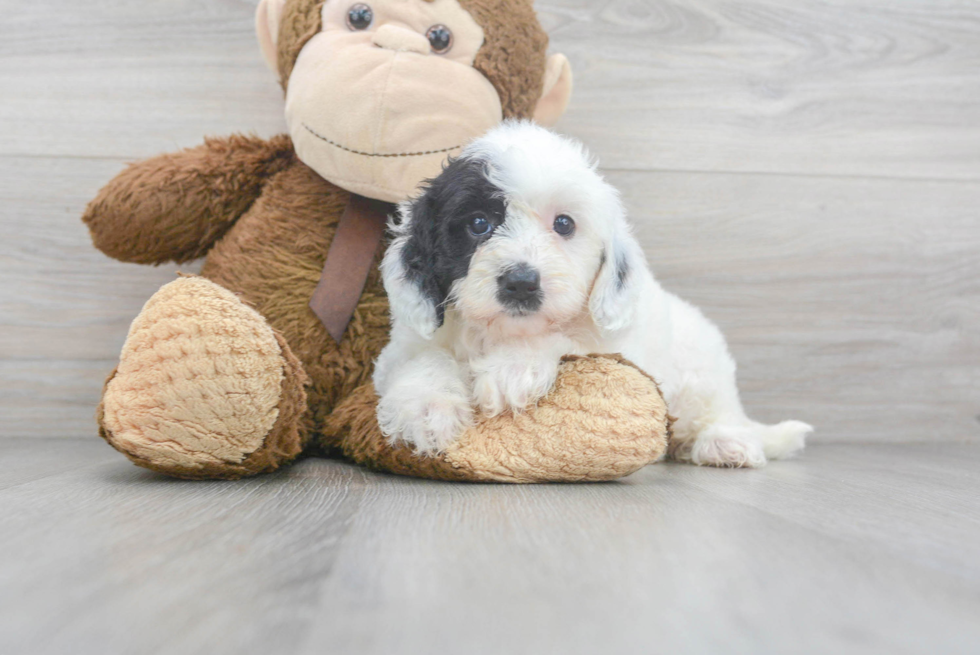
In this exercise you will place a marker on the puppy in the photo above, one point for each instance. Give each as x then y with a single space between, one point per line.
520 253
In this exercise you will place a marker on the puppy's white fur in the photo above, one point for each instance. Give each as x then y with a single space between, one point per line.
598 296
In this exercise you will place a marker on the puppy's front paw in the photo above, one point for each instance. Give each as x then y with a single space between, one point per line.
427 420
511 386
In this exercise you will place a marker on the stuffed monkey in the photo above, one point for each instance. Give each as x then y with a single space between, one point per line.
268 353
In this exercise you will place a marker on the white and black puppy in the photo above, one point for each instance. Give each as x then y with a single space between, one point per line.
520 253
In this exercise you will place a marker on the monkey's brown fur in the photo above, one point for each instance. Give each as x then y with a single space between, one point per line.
271 256
265 221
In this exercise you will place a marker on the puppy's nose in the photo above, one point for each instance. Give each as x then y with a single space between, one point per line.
519 284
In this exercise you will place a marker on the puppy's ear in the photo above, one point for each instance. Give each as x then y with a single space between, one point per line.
407 271
615 293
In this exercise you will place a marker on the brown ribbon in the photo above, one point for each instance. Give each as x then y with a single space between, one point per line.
349 260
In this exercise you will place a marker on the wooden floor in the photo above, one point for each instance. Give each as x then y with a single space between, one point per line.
870 549
807 172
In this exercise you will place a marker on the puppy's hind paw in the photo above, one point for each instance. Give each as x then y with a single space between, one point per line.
728 453
722 446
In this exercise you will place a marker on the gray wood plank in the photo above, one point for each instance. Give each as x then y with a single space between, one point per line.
128 79
114 558
875 87
915 502
65 308
651 565
51 398
846 550
27 460
869 88
63 299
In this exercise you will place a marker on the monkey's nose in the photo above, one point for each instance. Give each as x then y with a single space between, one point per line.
520 286
400 39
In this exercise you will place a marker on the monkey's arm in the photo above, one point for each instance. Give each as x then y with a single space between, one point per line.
176 206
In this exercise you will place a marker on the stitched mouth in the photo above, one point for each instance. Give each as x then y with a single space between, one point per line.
377 154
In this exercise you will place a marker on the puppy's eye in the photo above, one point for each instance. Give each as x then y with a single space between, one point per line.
564 225
359 17
480 226
440 38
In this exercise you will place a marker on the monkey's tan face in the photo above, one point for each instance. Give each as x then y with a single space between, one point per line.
386 92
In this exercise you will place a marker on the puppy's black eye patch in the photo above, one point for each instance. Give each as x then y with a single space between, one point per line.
456 212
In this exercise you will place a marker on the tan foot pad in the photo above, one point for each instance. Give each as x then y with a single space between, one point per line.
603 420
205 388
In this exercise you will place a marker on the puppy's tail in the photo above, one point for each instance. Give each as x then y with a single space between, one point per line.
784 439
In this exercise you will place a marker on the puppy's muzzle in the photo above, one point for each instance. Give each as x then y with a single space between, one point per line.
519 289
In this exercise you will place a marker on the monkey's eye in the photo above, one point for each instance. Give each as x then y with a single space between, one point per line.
480 226
564 225
440 38
359 17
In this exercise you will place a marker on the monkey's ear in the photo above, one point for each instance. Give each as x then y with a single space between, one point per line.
557 91
267 16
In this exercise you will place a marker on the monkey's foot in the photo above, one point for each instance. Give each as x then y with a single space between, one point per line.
603 419
205 388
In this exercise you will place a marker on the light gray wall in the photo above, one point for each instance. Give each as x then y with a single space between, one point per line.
807 172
